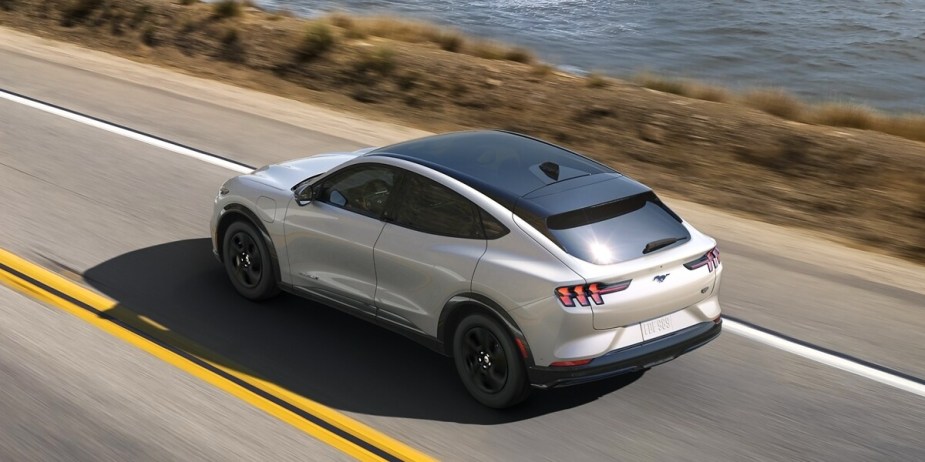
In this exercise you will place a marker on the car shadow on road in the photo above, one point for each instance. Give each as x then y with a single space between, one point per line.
310 349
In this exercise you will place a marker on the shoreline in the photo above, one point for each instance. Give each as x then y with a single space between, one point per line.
735 71
859 185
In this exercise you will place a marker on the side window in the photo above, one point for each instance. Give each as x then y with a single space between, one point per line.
363 189
432 208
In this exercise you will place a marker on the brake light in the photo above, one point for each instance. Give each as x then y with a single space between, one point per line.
584 294
709 259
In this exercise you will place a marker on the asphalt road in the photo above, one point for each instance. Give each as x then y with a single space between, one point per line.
131 220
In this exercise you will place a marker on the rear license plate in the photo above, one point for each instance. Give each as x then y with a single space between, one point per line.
659 327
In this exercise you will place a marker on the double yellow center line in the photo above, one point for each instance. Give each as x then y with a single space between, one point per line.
328 425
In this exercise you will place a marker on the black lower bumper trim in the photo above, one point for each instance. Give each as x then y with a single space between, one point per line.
630 359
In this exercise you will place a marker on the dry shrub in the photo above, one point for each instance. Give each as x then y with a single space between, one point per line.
408 80
232 46
341 20
380 61
596 80
229 36
542 69
484 49
318 39
450 41
276 15
843 115
77 10
493 50
774 101
139 15
519 55
226 9
149 35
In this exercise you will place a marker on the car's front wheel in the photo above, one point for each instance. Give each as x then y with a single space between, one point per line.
487 362
247 262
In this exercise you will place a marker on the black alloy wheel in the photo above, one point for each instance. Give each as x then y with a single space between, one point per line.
247 262
485 361
489 363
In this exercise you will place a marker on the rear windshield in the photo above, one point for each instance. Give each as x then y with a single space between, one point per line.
617 231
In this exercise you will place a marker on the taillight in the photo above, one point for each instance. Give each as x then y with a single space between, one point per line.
709 259
584 294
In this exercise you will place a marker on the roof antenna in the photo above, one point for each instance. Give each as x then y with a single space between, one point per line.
551 169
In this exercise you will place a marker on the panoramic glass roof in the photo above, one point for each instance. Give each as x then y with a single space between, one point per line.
513 163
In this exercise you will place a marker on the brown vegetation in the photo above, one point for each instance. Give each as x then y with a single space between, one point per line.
785 168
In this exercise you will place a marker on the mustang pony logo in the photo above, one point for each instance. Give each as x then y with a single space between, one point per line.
660 278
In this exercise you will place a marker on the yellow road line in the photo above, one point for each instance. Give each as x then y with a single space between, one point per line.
319 410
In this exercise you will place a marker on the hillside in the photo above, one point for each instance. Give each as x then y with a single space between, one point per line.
861 186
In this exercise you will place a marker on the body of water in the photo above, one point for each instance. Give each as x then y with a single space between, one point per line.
865 51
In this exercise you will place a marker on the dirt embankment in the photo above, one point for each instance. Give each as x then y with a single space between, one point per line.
863 186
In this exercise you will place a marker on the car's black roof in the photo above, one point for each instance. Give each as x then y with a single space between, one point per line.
533 178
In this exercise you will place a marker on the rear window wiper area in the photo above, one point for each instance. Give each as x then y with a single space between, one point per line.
655 245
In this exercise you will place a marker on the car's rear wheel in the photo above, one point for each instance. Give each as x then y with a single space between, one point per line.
487 362
247 262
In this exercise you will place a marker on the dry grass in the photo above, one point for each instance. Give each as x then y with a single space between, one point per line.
911 126
774 101
661 83
708 92
683 87
389 28
418 32
782 104
493 50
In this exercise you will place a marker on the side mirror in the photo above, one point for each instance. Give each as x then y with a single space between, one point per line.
304 195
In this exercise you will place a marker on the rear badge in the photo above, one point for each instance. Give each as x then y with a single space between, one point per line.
660 278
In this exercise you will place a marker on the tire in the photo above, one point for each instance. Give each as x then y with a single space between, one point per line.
248 263
488 362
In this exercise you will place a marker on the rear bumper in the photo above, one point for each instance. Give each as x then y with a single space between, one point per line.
633 358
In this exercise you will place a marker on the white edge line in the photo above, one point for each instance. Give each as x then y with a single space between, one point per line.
728 325
127 133
823 357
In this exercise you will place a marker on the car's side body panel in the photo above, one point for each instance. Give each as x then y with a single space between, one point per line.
331 253
522 277
417 273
